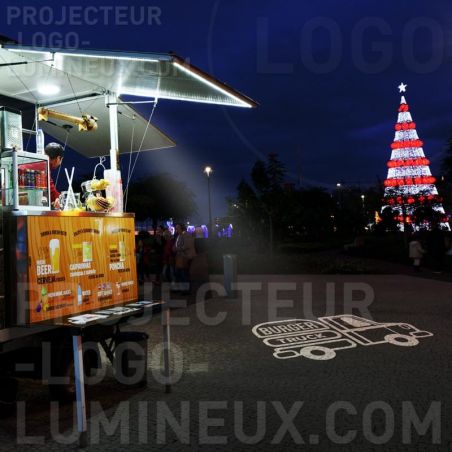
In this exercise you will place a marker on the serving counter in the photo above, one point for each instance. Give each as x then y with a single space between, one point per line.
62 264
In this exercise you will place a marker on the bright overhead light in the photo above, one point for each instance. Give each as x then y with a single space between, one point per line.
48 89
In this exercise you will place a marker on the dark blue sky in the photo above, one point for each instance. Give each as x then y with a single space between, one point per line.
325 74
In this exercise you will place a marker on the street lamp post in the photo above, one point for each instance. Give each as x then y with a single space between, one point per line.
208 171
363 199
339 189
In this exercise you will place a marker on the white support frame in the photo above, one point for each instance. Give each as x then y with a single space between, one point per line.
111 100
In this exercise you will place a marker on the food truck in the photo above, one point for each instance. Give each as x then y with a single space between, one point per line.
76 266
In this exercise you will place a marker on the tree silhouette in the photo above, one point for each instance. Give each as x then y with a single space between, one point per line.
446 164
160 197
269 208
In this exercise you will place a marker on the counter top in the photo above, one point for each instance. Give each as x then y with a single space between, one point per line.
60 213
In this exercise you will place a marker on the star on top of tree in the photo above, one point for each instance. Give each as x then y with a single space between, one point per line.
402 87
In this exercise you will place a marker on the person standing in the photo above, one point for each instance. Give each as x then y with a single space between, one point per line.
56 154
436 248
168 257
185 251
140 265
157 254
416 252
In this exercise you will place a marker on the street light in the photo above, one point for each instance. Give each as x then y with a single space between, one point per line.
341 194
363 199
208 171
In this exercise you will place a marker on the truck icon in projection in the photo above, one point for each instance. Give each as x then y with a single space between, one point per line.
320 339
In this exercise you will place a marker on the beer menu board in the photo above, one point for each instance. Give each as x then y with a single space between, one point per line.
79 263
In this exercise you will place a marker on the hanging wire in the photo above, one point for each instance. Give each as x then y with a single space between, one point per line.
29 136
21 81
67 132
75 95
130 161
142 139
139 149
35 120
156 98
19 63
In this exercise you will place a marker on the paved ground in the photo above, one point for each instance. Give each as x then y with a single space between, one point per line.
230 393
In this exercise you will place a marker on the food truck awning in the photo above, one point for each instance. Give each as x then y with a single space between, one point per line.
165 76
77 81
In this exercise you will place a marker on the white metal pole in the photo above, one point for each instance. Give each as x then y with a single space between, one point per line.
15 180
80 388
166 347
112 100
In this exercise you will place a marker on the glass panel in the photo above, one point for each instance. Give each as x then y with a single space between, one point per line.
32 172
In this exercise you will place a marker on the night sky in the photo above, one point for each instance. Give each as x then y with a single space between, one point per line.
325 75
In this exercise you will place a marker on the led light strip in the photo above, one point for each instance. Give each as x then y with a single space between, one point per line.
160 95
212 85
108 57
42 52
88 55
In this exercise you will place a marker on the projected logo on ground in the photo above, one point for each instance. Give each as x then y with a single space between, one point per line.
320 339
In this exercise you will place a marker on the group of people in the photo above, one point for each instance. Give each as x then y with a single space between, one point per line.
166 257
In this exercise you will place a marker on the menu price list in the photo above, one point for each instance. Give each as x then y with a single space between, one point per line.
79 263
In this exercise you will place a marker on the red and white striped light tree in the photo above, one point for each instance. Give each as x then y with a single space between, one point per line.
410 187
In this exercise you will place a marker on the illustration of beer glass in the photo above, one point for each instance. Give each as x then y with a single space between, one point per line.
54 247
122 251
87 251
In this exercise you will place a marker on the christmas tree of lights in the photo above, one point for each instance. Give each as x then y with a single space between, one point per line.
410 184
